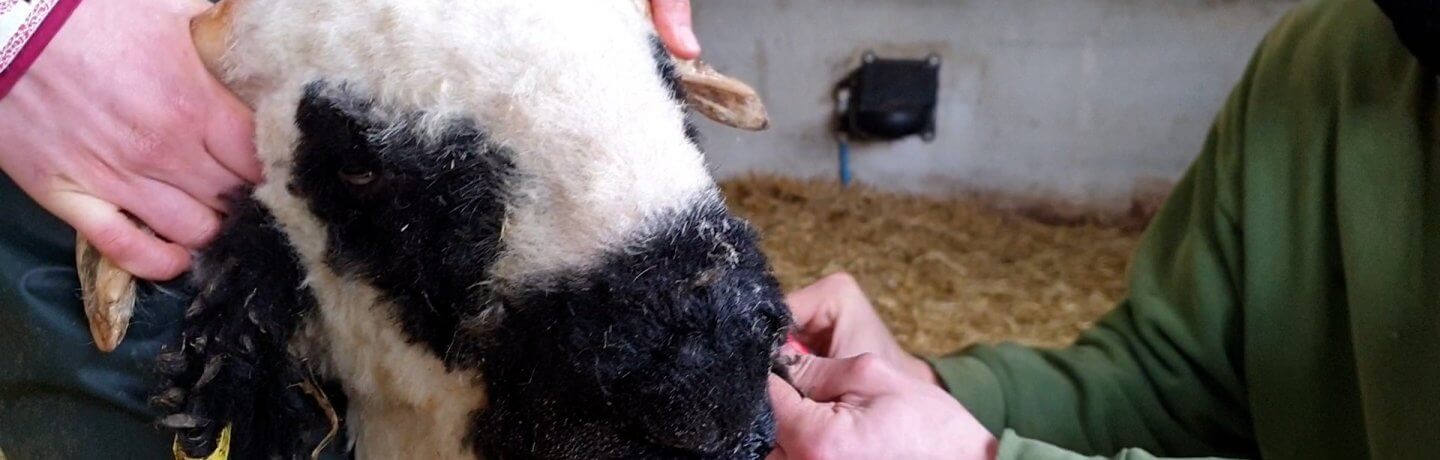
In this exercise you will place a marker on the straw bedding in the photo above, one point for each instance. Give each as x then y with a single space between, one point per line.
943 273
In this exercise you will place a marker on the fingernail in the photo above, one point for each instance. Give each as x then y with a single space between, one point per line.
787 359
790 352
687 39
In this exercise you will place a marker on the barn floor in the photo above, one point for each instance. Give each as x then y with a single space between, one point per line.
943 273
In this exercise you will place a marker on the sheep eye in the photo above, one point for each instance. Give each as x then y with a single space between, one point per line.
357 176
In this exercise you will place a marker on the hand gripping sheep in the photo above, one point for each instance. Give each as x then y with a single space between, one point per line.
488 222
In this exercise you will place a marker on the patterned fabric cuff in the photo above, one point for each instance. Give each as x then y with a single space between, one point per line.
26 26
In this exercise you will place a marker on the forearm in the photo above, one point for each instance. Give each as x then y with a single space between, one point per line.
1161 372
1102 398
1157 373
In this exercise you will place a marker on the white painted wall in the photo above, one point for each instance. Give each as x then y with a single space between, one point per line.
1076 98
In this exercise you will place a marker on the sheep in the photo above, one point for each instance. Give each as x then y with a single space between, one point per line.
489 223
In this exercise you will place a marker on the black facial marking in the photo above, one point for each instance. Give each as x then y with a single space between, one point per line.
233 366
417 217
666 67
663 351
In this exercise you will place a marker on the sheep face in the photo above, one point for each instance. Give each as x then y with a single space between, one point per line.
504 224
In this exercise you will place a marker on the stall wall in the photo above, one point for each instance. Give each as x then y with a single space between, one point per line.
1088 101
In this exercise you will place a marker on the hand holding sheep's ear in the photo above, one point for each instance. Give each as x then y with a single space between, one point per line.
672 20
720 98
866 408
833 318
119 118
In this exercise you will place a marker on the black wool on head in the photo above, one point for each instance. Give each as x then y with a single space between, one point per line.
662 351
1417 22
417 216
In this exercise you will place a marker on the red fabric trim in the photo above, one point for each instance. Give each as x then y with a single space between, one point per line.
44 30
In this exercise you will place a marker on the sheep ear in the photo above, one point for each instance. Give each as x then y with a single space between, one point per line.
719 97
211 33
108 293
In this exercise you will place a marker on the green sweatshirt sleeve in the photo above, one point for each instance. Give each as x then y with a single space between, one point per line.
1162 372
1014 446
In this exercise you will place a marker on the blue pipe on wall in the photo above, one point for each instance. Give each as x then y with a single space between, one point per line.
844 161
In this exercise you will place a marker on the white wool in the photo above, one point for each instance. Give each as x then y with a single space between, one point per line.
569 86
403 404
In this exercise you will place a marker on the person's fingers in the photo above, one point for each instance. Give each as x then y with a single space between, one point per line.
788 407
788 404
193 8
794 347
673 21
230 136
828 380
171 213
812 306
229 127
204 179
800 421
817 307
118 238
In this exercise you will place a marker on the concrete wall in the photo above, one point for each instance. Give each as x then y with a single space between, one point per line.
1080 99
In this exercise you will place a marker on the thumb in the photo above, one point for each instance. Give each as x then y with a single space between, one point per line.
828 380
786 400
794 414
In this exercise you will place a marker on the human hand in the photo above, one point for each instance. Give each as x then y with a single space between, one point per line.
118 116
834 318
672 20
865 408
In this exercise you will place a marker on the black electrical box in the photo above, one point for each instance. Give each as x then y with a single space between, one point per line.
889 99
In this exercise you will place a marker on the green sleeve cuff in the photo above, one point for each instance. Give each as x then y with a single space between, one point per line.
1015 447
976 387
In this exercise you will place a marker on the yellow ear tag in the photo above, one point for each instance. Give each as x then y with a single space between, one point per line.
222 448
